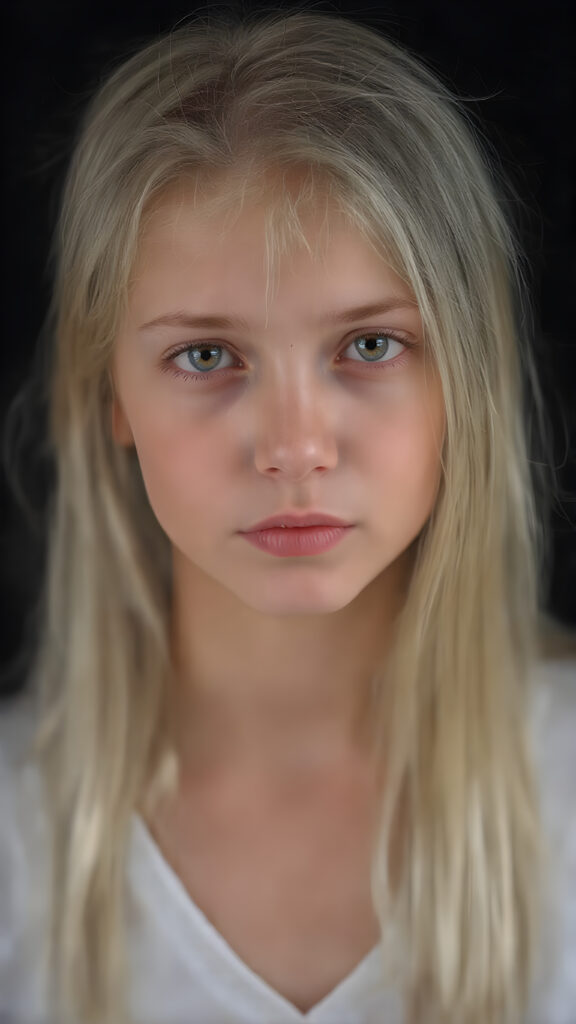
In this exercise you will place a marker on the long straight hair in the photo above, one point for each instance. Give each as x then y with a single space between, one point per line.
300 109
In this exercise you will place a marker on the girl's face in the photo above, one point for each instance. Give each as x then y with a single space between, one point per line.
295 403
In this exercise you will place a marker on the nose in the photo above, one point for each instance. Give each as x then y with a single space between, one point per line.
295 433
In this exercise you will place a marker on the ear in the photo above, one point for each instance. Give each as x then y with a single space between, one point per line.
121 431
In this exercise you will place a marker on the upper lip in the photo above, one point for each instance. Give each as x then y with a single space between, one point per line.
298 519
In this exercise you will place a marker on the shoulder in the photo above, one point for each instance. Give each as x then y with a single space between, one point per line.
23 861
21 803
554 716
18 772
554 746
22 806
553 738
17 723
553 735
20 795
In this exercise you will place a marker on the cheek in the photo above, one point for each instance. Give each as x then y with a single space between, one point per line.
406 462
184 471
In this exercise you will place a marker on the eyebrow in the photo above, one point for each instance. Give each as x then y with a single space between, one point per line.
207 322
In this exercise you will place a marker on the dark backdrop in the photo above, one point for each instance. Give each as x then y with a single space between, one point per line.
512 59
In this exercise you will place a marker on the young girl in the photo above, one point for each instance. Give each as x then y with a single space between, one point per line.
317 768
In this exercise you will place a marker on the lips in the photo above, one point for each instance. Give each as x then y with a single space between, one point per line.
292 520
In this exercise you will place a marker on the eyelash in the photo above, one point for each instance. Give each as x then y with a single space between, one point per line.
167 364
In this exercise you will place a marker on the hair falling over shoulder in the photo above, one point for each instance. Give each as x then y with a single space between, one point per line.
379 136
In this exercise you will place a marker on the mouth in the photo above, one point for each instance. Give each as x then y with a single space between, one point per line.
297 541
294 521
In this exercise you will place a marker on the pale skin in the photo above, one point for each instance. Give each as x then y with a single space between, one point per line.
274 655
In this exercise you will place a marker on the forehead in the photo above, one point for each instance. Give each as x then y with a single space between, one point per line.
187 234
276 221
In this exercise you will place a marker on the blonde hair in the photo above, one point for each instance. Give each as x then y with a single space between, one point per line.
237 108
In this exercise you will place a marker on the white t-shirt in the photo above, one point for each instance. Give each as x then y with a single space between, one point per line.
184 970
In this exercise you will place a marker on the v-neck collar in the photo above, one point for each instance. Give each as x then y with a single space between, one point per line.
341 999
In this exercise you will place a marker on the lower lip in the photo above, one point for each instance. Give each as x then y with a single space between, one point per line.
297 540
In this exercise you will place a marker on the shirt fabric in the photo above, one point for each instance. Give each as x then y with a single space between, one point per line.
186 973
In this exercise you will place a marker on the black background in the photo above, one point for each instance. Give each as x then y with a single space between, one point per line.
514 61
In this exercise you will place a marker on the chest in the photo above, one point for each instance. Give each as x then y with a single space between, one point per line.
286 886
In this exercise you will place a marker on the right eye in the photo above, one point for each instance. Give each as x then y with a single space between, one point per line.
199 360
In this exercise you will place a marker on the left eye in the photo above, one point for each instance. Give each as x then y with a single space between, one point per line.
371 347
374 345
